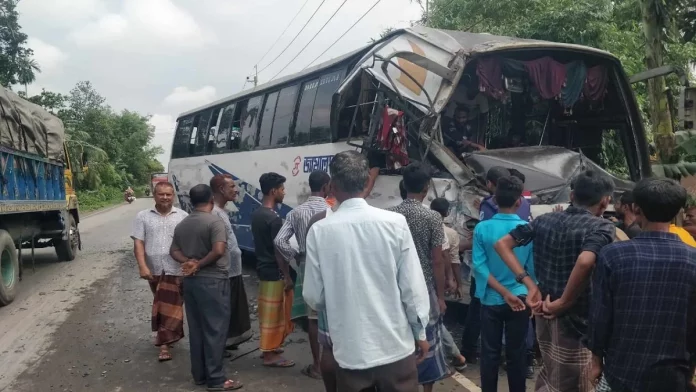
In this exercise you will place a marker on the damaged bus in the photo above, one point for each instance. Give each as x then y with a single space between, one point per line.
461 102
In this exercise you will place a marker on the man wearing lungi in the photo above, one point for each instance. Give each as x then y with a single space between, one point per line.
199 244
225 191
566 245
275 286
296 223
429 236
153 229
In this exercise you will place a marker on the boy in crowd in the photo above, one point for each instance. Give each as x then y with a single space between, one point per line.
644 300
442 206
503 311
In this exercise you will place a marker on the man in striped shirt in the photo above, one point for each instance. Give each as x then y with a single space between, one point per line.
296 224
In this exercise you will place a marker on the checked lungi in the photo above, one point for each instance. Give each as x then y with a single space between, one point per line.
434 367
275 305
565 360
167 309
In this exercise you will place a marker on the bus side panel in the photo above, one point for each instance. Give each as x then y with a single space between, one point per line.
295 163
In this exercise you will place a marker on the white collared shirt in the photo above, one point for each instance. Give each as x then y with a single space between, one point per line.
363 269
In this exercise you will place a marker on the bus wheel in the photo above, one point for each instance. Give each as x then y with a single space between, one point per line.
9 268
66 249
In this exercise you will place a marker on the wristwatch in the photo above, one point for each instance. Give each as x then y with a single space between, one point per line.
519 278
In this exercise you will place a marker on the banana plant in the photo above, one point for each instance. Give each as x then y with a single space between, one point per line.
685 142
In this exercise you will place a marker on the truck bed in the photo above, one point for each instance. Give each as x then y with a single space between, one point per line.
29 183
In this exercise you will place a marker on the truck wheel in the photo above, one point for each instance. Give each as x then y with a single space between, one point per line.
67 249
9 268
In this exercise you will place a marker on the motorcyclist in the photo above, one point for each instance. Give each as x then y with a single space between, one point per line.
129 195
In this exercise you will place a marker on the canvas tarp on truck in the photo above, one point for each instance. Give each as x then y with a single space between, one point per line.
28 127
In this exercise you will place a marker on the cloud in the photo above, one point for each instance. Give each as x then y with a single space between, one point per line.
143 26
61 13
184 98
50 58
163 123
105 30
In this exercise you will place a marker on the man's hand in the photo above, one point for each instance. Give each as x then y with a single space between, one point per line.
552 309
514 302
145 273
595 369
443 306
451 285
534 300
558 208
189 268
422 348
477 204
289 285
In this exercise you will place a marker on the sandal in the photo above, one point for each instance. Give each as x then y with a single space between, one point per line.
280 363
229 385
164 356
311 373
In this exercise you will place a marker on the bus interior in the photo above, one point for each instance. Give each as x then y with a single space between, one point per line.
547 113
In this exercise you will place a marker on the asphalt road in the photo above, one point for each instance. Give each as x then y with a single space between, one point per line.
84 326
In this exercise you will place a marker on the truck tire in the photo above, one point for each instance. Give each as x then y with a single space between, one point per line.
9 268
66 249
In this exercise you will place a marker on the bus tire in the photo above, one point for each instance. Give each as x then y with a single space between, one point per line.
9 269
66 249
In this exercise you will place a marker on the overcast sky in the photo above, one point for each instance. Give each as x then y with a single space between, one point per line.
163 57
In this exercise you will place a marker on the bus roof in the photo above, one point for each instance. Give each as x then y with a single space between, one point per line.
470 44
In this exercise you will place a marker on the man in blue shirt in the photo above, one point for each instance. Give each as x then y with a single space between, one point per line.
643 304
489 207
502 297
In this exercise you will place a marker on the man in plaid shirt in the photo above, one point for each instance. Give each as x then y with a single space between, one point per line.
566 245
643 309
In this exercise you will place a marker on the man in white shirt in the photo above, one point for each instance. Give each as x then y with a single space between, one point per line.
363 270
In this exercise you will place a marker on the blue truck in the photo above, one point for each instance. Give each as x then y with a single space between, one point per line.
38 204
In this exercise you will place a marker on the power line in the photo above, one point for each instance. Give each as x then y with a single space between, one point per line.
283 33
310 41
297 35
343 35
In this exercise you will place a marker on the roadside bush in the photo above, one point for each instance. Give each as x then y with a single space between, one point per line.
94 200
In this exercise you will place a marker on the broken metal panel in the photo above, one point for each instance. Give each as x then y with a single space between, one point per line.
415 68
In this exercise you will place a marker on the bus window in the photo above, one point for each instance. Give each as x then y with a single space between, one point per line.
304 112
202 135
194 136
224 129
212 131
182 138
237 122
267 119
250 123
284 116
320 131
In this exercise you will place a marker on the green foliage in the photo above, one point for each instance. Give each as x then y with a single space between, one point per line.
16 62
91 200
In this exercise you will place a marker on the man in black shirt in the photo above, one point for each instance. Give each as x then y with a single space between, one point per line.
275 286
627 218
460 134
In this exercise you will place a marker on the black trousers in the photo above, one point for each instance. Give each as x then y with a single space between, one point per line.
496 321
472 326
207 303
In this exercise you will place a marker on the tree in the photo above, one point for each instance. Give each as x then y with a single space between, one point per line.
15 58
117 144
26 76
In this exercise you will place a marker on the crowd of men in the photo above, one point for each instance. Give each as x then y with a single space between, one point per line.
370 285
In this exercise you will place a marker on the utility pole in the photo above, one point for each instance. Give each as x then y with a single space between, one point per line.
255 78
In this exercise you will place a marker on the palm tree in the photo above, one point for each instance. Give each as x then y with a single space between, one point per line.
28 67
